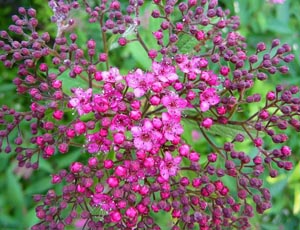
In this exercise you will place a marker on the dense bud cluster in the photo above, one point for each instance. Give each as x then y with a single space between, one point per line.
131 125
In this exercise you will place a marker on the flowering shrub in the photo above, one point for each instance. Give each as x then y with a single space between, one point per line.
131 127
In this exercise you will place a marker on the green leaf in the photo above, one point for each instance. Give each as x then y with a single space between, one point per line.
186 43
139 54
296 208
228 130
68 83
64 161
277 184
295 176
45 165
39 186
14 195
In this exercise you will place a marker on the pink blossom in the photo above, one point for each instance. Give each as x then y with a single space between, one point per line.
208 97
112 76
209 77
81 101
171 126
174 103
169 165
145 137
164 73
104 201
121 123
191 65
140 82
100 103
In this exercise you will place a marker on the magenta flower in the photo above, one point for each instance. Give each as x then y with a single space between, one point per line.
145 137
169 165
140 82
81 101
171 126
104 201
112 76
174 103
208 98
165 73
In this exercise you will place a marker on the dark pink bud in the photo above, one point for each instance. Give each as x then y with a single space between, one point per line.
77 69
115 216
207 122
43 67
258 142
103 57
152 54
200 35
271 96
108 164
112 182
80 127
49 151
58 114
122 41
212 157
76 167
63 147
119 138
31 12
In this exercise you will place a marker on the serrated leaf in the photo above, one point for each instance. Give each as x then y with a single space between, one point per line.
186 43
228 130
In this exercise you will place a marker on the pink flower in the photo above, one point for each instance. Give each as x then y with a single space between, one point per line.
191 66
81 101
140 82
121 123
169 165
174 103
145 137
164 73
208 97
104 201
100 103
112 76
171 126
209 77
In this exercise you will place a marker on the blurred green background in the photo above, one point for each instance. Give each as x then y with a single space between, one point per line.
260 21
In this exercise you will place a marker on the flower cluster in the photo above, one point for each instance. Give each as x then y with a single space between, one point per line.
131 126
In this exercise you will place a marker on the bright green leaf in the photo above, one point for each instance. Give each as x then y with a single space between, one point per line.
186 43
295 176
296 208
